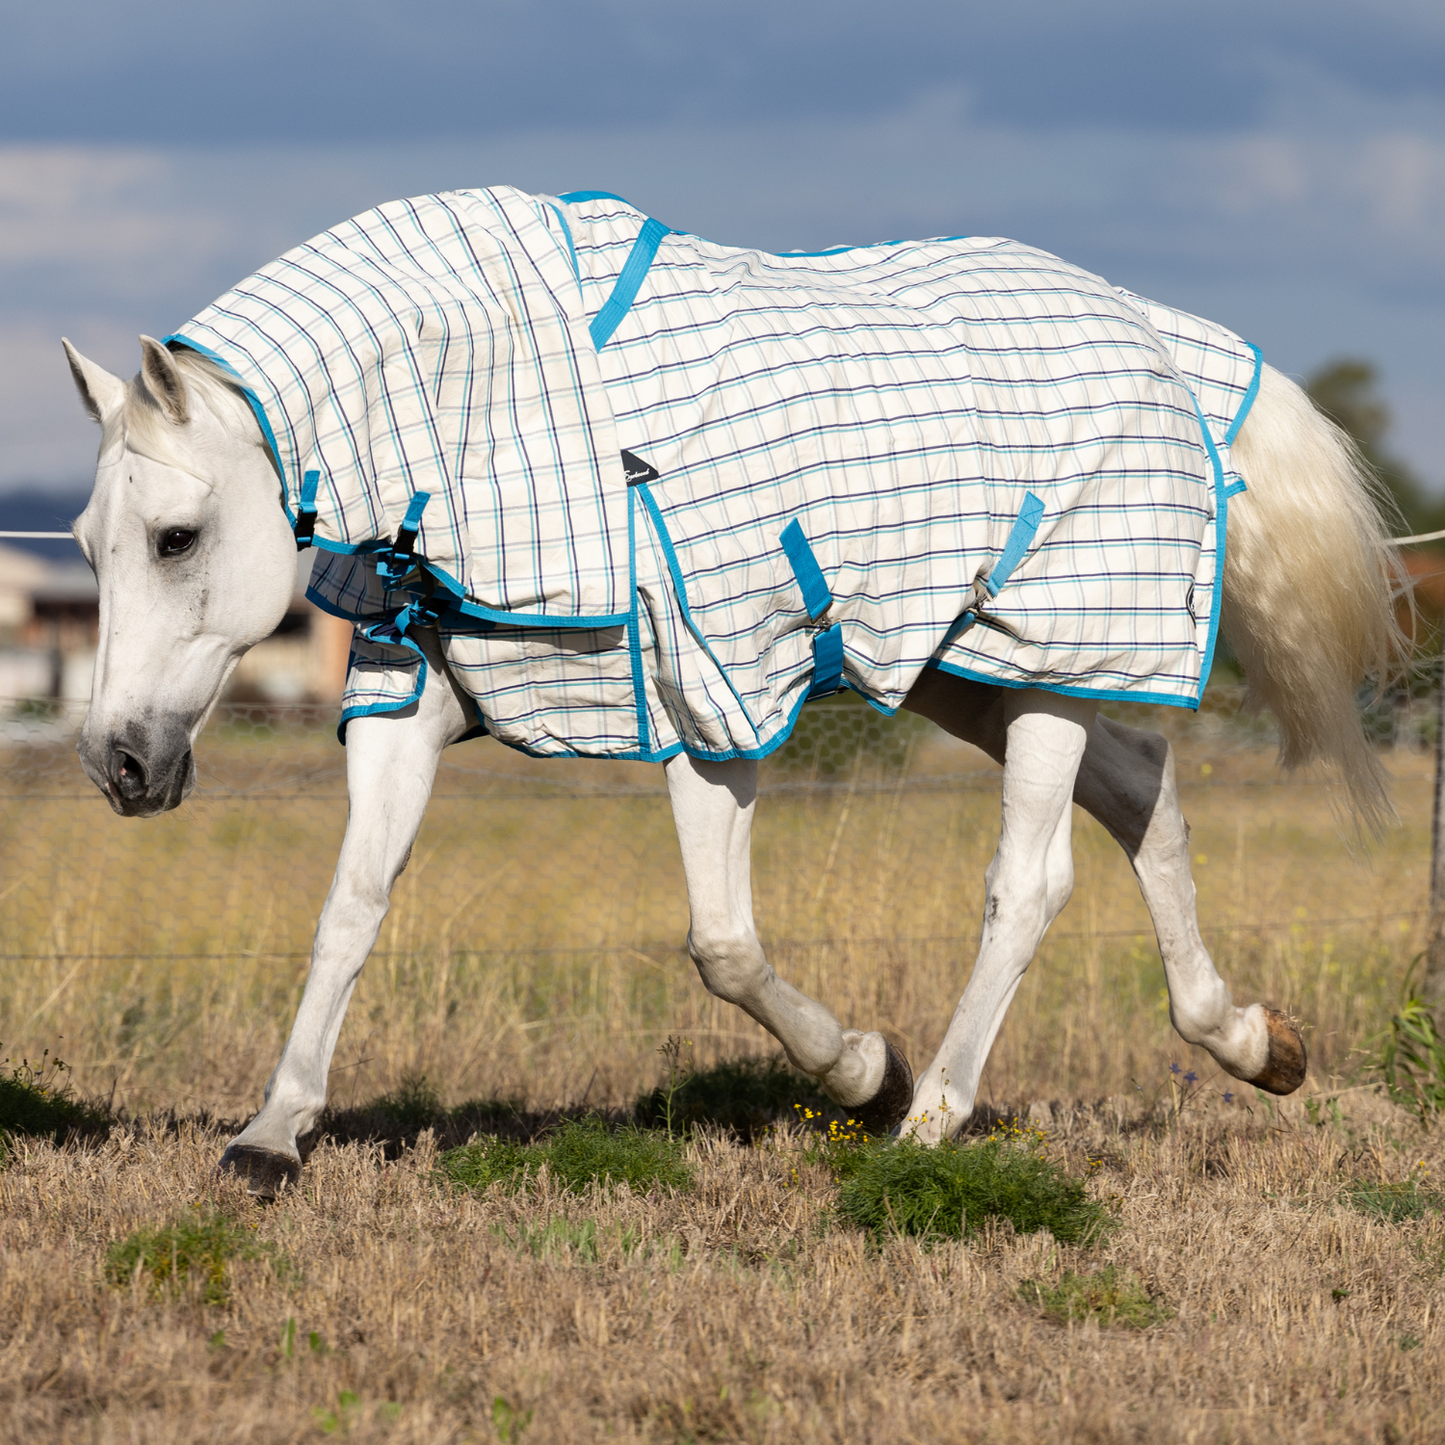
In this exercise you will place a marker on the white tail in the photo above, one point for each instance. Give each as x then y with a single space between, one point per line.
1309 595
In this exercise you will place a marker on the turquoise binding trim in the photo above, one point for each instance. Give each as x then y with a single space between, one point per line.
1221 523
575 198
624 293
770 744
1100 694
252 400
634 631
1221 528
380 544
376 708
320 544
1238 485
816 596
1253 391
459 603
673 566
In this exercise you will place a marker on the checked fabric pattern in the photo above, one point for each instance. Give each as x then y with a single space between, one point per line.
600 431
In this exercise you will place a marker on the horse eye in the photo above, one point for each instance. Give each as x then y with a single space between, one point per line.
176 541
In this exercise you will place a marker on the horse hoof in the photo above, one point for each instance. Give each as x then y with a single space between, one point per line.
266 1173
888 1108
1285 1065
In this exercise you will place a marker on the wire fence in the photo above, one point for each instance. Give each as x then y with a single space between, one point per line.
517 854
544 905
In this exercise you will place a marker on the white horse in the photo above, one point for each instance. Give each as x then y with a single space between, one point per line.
196 563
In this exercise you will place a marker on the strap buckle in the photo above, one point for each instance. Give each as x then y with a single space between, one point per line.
396 565
304 528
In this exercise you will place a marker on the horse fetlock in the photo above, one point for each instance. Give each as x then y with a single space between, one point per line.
888 1108
265 1152
288 1114
872 1080
1258 1045
1206 1015
856 1073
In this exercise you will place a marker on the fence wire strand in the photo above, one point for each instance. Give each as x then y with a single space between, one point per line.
521 856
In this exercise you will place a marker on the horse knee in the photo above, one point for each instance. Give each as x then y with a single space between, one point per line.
732 966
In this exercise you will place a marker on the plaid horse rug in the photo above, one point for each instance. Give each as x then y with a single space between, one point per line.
655 492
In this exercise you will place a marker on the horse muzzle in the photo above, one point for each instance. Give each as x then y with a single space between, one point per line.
143 769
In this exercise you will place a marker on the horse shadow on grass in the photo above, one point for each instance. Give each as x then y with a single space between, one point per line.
745 1098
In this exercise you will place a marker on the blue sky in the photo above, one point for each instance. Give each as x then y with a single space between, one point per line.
1277 166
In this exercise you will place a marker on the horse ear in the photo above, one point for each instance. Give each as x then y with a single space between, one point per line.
102 393
162 379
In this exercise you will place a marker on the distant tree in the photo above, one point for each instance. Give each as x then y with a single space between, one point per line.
1346 390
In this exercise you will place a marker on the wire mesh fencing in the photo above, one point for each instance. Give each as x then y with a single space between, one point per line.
539 927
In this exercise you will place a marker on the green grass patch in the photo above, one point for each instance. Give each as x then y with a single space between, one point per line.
1107 1295
488 1161
1394 1203
195 1250
559 1237
35 1100
950 1191
744 1095
1412 1058
578 1153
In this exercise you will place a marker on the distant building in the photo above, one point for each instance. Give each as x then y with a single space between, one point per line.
49 623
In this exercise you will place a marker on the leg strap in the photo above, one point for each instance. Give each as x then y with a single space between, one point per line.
827 641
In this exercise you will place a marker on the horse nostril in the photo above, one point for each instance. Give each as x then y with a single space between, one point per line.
129 775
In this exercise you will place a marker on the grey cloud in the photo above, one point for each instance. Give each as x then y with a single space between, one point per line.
167 72
1309 244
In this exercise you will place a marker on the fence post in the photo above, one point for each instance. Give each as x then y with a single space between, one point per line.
1432 986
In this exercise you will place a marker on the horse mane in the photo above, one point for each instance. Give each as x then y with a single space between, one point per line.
140 425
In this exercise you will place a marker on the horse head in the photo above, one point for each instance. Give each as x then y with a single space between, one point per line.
194 559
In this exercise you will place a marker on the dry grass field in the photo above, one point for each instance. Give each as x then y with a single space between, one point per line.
1289 1258
396 1308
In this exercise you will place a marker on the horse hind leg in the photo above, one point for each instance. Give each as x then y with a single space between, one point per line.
1029 881
712 804
1127 782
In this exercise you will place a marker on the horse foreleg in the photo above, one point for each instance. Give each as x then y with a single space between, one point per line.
712 804
1028 882
1127 782
391 762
